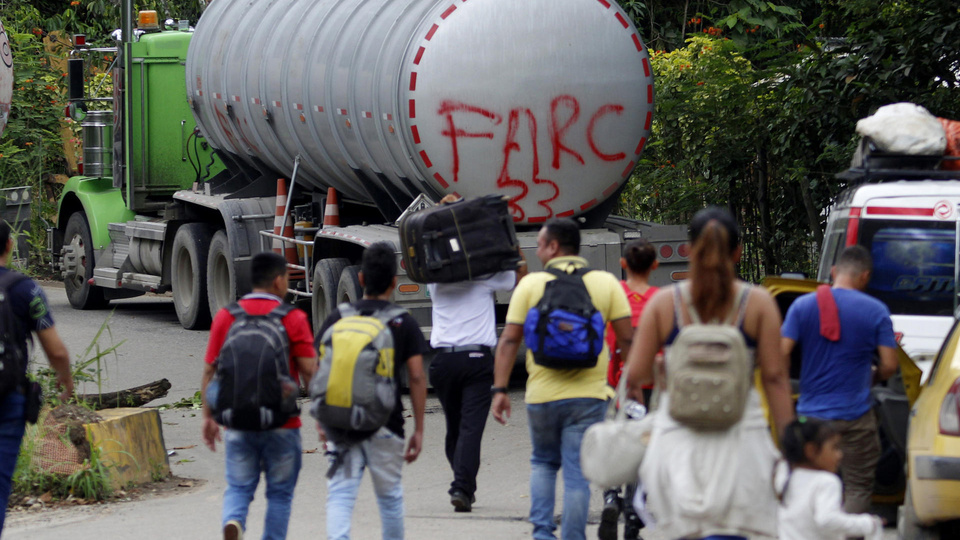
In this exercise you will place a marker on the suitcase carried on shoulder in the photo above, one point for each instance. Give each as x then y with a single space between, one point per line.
459 241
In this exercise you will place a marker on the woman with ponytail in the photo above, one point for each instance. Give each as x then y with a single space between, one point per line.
712 483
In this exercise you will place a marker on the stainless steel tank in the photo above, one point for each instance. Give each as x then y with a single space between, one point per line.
6 78
547 101
97 130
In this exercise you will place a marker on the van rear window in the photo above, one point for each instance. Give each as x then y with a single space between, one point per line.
912 264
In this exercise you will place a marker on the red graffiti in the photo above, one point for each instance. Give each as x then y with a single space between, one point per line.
556 135
606 109
512 145
563 125
447 108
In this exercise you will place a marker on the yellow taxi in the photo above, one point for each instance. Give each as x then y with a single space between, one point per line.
931 507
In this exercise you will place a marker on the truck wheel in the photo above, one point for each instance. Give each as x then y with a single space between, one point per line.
78 265
326 278
221 273
189 275
349 289
908 527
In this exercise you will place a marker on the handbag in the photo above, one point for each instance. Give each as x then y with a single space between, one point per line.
611 450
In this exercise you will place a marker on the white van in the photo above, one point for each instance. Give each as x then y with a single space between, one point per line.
910 228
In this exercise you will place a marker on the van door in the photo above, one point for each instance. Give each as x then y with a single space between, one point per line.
913 244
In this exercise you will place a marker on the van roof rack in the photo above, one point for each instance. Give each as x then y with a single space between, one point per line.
869 164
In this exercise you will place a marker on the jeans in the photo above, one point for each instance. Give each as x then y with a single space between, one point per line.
12 425
556 430
462 381
277 454
382 454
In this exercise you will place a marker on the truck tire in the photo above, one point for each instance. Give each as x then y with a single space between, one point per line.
78 258
908 527
349 289
188 275
326 278
221 273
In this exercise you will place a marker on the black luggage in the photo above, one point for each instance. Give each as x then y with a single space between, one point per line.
459 241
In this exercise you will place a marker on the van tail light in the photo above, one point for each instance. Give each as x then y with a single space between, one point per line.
853 227
950 411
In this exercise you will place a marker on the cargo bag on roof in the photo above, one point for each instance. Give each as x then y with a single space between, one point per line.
460 241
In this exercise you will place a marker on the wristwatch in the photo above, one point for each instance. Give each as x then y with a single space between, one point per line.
498 390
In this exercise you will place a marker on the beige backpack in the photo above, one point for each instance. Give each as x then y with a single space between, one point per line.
709 366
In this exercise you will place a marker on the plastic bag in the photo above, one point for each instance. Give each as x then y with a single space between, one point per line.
904 128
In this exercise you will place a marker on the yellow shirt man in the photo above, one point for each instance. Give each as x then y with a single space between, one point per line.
548 384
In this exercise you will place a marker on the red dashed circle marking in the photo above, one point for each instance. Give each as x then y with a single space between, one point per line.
439 178
640 145
646 125
588 204
628 169
613 187
416 134
413 108
419 56
568 213
426 160
539 219
433 30
448 11
605 3
623 22
413 81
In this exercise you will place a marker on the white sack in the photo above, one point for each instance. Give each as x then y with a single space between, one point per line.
904 128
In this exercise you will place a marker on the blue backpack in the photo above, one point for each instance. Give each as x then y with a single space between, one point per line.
565 330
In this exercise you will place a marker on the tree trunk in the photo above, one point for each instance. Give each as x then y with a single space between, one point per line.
132 397
763 206
813 214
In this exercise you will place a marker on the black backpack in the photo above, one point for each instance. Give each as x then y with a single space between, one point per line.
13 356
565 330
253 389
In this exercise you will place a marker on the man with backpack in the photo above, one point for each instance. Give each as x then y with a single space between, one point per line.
356 395
259 350
560 313
23 310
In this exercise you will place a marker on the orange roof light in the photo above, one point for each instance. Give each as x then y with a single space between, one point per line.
147 20
408 288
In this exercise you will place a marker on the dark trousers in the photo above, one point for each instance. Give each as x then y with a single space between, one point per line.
462 381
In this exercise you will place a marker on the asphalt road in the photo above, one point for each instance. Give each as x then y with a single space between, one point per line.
154 346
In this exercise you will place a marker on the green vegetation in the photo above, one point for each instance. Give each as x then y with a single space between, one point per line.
757 104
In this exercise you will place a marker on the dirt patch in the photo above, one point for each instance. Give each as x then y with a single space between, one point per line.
174 485
72 418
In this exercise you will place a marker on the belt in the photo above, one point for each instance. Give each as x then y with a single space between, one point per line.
465 348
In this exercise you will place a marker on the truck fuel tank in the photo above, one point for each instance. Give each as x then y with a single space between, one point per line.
546 101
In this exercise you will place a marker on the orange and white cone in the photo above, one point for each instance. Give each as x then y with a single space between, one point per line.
331 212
285 228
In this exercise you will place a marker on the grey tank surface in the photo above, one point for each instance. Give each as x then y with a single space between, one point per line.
546 101
6 78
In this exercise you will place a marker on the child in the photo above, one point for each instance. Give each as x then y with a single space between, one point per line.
811 505
638 261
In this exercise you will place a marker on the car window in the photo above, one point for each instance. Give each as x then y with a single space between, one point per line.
913 263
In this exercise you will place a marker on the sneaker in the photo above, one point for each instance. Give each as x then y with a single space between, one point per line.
461 501
631 526
609 516
232 530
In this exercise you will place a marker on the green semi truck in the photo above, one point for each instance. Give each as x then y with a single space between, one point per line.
389 103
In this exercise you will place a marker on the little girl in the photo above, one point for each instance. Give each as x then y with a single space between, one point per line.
812 503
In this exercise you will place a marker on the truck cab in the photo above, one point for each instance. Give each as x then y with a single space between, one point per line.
907 217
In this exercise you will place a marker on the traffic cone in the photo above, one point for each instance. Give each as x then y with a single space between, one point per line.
331 212
284 228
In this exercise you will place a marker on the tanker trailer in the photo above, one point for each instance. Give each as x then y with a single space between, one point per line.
392 104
